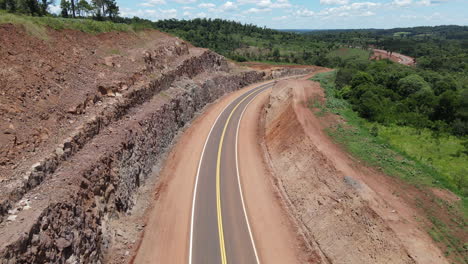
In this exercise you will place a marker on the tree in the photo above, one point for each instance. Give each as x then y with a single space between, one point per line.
30 7
83 8
65 6
112 9
446 84
45 5
361 78
100 8
276 54
343 77
411 84
11 5
447 106
73 8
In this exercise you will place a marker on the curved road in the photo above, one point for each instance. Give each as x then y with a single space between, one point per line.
220 230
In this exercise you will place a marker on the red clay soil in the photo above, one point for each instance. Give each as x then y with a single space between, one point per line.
47 84
354 213
393 56
266 66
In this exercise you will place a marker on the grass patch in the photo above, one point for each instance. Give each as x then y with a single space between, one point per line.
445 153
315 103
275 63
36 26
416 156
349 53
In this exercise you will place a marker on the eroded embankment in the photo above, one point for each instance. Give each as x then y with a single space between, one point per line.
88 171
348 210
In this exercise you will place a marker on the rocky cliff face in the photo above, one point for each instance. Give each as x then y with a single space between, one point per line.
101 180
58 209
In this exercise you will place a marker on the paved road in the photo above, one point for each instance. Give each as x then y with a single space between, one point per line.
220 232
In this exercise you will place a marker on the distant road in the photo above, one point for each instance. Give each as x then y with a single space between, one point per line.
220 230
397 57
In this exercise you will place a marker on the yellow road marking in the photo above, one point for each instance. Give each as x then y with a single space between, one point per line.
218 182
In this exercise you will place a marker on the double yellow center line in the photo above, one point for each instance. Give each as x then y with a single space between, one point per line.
218 183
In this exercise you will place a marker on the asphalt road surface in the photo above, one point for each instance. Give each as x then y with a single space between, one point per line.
220 231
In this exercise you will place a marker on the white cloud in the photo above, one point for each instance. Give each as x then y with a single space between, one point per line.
153 2
402 3
185 1
281 4
169 12
266 3
54 9
206 5
229 6
151 14
424 3
367 13
280 18
305 13
255 10
334 2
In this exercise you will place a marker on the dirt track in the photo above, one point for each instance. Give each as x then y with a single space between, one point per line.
396 57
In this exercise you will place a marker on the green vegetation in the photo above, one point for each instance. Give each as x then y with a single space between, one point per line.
97 9
390 93
441 48
416 156
445 156
446 153
36 25
95 16
349 53
243 42
363 139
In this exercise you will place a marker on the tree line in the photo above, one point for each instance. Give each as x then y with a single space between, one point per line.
98 9
95 9
30 7
242 42
389 93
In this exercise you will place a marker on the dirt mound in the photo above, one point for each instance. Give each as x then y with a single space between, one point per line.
349 210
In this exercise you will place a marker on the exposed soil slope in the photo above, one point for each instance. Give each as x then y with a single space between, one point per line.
352 212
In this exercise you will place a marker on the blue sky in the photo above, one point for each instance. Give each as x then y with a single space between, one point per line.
307 14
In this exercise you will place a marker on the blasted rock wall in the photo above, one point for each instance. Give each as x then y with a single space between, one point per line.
207 61
72 207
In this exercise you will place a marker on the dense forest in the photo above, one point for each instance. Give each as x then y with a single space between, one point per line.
390 93
434 94
244 42
436 48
